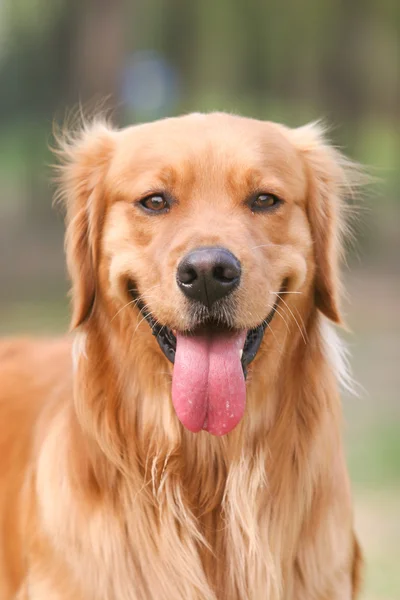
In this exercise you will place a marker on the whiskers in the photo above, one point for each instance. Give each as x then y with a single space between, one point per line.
289 313
283 292
266 246
146 312
268 326
135 301
281 314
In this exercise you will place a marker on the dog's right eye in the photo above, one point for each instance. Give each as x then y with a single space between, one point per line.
155 204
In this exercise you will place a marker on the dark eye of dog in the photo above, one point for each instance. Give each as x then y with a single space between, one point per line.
156 203
265 202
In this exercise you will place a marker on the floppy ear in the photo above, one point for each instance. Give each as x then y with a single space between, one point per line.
331 178
84 160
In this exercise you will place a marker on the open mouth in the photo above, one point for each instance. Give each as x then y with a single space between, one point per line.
210 368
166 338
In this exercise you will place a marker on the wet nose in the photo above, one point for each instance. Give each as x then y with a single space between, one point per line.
208 274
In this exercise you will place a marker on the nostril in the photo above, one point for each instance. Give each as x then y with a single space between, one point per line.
187 275
224 274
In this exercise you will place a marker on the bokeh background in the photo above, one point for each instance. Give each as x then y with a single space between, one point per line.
288 61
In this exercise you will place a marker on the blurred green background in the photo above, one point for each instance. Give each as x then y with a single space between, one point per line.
288 61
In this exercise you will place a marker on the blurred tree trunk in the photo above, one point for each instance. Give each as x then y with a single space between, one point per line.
85 47
96 52
343 82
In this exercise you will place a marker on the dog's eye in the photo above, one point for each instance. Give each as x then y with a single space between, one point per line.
156 203
264 202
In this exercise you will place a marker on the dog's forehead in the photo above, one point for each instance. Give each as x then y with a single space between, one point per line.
205 146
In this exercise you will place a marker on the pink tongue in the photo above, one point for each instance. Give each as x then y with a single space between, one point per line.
208 388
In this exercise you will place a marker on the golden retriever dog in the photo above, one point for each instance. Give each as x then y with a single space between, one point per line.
185 444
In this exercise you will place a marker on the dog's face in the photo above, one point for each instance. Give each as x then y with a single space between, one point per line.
203 223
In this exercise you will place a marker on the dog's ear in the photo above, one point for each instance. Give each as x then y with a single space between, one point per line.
332 179
85 157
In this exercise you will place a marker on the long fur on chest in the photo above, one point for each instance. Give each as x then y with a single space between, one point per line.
154 511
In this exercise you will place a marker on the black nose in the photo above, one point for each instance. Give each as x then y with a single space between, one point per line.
208 274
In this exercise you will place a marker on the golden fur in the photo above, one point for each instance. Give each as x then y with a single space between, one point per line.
104 494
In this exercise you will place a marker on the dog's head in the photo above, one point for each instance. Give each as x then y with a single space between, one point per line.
209 226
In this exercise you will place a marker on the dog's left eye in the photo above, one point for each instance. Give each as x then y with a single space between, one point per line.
156 203
265 202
